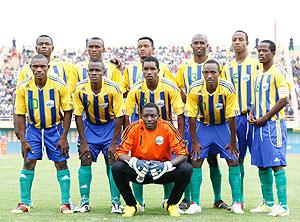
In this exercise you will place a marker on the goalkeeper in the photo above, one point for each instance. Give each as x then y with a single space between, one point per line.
150 142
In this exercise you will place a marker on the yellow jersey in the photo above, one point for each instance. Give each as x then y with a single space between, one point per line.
269 87
242 76
99 108
134 73
188 72
61 69
213 108
112 73
166 96
44 106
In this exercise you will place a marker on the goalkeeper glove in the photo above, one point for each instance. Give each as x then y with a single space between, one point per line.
157 168
141 167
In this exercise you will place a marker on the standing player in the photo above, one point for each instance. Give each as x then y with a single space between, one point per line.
102 102
43 97
65 71
134 72
215 100
189 72
95 48
241 73
157 90
268 151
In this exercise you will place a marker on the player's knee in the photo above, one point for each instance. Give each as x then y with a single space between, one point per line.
241 160
61 165
29 164
212 161
118 167
196 163
86 159
277 168
232 163
185 169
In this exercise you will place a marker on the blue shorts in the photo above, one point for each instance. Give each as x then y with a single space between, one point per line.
44 138
214 139
98 137
269 144
244 132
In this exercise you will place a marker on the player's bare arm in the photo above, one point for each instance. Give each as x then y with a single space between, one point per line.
180 121
251 116
63 141
25 147
232 144
114 142
275 109
84 148
196 146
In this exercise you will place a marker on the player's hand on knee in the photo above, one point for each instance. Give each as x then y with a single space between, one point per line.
196 149
141 167
111 153
63 145
233 149
25 147
83 149
157 168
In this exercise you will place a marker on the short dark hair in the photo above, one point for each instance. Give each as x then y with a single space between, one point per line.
151 59
151 105
244 33
212 61
97 38
39 56
44 36
272 45
147 38
96 60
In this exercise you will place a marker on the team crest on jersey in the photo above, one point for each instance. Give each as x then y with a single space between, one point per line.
139 77
219 106
265 86
194 77
160 103
235 77
159 140
103 105
246 77
50 103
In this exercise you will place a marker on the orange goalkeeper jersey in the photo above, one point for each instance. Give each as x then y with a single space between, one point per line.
155 144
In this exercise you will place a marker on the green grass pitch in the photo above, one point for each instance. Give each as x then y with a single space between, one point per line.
46 195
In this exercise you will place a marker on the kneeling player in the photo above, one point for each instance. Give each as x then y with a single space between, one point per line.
102 102
270 134
151 141
42 97
215 99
